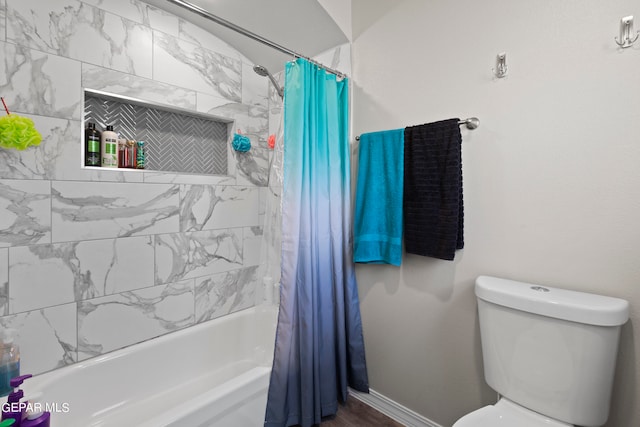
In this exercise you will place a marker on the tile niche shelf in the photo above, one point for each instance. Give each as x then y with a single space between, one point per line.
176 140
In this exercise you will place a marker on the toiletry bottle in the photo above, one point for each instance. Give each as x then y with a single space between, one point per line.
91 146
122 153
13 409
140 155
109 148
36 415
39 419
131 154
10 364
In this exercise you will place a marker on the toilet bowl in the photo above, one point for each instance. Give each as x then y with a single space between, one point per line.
550 354
507 414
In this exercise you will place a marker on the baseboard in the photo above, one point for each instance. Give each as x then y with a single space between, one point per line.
393 409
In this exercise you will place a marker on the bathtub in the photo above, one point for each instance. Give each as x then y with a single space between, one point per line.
212 374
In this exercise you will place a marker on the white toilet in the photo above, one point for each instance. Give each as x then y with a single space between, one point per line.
550 354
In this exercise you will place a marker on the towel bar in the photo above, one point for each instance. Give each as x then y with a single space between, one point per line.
471 123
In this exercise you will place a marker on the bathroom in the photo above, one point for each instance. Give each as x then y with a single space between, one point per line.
549 184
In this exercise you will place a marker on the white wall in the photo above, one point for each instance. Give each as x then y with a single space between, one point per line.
551 178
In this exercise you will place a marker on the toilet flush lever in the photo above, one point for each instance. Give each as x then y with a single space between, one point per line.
540 289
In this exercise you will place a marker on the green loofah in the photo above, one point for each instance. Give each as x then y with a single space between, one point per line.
18 132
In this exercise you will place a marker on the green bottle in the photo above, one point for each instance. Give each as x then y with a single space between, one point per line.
91 145
140 155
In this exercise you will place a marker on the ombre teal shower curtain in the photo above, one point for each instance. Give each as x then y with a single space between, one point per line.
319 347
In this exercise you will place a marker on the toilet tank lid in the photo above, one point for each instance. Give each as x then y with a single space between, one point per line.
559 303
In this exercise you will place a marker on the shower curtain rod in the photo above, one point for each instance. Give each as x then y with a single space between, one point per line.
471 123
208 15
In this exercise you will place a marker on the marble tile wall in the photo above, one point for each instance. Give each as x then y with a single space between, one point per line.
4 281
77 30
196 67
119 83
3 20
104 323
95 260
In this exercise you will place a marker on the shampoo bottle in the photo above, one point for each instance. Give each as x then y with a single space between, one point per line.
10 364
91 146
109 148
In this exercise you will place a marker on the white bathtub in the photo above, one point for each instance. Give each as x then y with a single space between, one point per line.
212 374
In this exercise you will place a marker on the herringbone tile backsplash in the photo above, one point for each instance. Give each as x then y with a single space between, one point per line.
174 142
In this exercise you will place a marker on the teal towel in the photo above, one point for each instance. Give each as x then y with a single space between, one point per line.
377 231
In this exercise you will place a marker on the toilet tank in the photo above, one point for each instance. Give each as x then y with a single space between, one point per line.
550 350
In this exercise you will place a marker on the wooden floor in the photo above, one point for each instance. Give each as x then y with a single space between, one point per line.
355 413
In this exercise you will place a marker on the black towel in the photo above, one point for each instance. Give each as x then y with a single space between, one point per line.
433 211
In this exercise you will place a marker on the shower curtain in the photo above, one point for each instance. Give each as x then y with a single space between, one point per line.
319 345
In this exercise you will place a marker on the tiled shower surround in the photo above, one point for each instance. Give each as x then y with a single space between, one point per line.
92 260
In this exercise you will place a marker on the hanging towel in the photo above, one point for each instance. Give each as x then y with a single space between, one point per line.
433 209
378 207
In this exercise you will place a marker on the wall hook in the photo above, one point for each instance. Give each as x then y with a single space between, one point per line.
501 65
626 33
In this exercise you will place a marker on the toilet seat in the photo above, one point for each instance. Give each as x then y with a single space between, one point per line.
507 414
